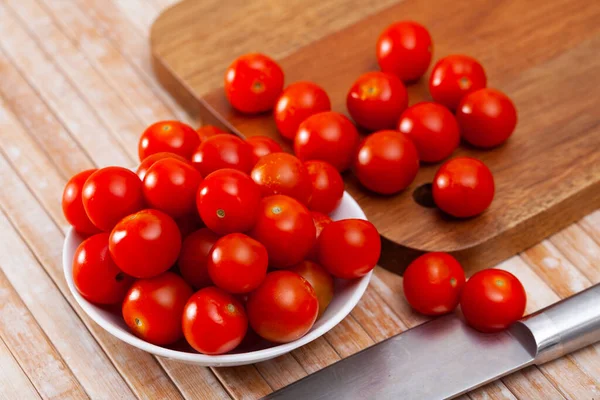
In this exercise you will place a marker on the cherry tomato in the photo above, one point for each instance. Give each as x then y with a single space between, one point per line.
142 169
237 263
153 308
492 300
376 100
214 322
463 187
170 136
228 201
206 131
320 220
433 282
253 82
433 130
453 77
170 186
386 162
327 136
95 274
320 280
193 258
282 173
405 49
299 101
349 248
145 244
72 204
261 146
283 308
286 228
327 186
110 194
487 117
223 151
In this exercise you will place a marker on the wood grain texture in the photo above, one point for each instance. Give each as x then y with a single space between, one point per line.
13 381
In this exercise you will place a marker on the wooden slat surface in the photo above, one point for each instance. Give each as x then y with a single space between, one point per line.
76 91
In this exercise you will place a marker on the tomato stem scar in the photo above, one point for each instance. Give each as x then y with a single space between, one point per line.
138 322
276 210
221 213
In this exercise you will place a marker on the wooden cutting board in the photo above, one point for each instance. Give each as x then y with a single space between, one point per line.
547 175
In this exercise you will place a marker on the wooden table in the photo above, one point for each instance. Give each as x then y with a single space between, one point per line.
77 89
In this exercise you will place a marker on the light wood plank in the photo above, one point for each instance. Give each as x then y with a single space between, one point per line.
140 12
193 381
376 318
348 337
492 391
13 381
243 383
316 355
281 371
580 249
591 224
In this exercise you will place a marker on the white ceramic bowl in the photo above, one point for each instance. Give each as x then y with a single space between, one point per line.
347 294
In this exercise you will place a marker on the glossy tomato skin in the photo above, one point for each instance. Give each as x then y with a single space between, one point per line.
386 162
492 300
95 274
327 136
282 173
463 187
206 131
168 136
327 186
222 151
349 248
193 257
453 77
253 82
72 204
487 118
433 130
433 283
228 201
320 220
286 228
145 244
142 169
320 280
110 194
405 50
214 322
283 308
376 100
261 146
237 263
153 308
170 186
299 101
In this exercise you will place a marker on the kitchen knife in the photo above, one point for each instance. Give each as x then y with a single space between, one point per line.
445 358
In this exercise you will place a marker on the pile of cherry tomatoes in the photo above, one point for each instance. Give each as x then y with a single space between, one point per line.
213 234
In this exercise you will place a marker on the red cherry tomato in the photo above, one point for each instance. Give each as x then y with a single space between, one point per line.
206 131
487 117
320 280
214 322
386 162
327 136
253 82
320 220
72 204
283 308
433 130
145 244
223 151
327 186
110 194
349 248
405 49
261 146
286 228
189 223
228 201
168 136
282 173
170 186
237 263
193 258
492 300
142 169
153 308
453 77
433 282
376 100
463 187
95 274
299 101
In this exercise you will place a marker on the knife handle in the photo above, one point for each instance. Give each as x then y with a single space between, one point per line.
566 326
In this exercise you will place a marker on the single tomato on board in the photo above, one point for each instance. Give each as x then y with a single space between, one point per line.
72 204
168 136
261 146
223 151
193 257
282 173
320 280
453 77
